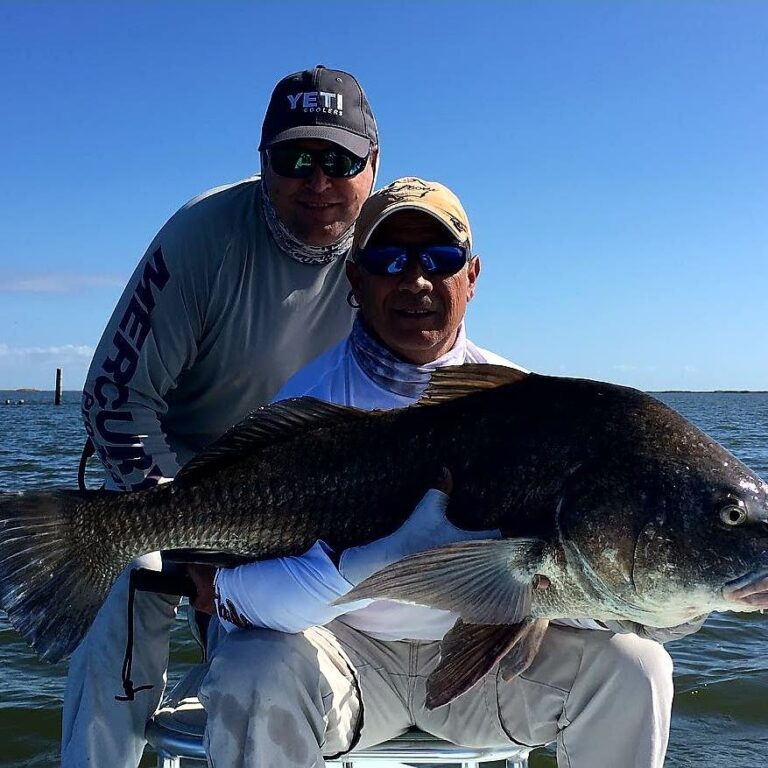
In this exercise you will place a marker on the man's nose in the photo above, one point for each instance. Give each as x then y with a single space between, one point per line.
415 279
318 182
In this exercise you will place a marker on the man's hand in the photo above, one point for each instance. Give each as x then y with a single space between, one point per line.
203 576
426 528
750 591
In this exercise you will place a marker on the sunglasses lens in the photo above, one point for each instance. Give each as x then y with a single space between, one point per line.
383 261
292 162
443 259
339 164
335 164
397 266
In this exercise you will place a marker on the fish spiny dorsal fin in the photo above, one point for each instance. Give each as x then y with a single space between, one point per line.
457 380
267 426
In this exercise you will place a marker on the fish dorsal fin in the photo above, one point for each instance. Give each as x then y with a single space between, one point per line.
267 426
457 380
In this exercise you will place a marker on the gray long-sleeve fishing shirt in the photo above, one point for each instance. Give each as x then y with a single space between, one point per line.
213 321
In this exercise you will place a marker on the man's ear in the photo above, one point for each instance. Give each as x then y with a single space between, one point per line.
354 277
473 272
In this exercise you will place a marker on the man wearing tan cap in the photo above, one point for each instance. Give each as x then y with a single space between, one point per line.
297 679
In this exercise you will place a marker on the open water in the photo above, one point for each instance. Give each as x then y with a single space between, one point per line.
721 673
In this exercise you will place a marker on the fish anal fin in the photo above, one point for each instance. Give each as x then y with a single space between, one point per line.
212 557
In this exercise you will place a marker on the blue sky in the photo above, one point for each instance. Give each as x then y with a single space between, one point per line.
611 156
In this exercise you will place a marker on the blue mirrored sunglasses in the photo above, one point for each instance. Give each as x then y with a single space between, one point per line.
393 259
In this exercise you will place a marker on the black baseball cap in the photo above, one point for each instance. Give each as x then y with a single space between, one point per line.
320 103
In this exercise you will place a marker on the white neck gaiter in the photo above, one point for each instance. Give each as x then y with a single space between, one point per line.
392 373
297 249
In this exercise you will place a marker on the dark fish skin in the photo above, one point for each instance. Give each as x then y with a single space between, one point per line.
623 494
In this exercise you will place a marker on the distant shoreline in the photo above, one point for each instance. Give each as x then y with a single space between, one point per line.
33 391
708 391
39 391
649 391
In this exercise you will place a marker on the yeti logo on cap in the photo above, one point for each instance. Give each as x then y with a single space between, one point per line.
317 101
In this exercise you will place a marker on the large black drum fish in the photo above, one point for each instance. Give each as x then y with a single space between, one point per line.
611 506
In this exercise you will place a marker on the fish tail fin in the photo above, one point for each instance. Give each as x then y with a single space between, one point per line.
50 595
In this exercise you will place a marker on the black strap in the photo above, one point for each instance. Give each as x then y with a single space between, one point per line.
128 687
88 450
175 582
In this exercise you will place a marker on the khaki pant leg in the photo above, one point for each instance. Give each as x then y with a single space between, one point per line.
606 699
471 720
617 713
96 729
287 701
278 700
384 672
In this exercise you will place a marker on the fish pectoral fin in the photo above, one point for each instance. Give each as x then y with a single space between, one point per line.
468 652
523 651
486 581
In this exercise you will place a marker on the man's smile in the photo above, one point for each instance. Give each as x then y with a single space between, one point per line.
316 203
414 313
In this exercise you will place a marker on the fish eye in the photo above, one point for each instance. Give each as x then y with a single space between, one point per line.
734 513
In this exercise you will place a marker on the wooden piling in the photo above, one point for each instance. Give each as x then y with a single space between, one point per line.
57 396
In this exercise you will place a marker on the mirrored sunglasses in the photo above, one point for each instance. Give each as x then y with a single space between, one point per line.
393 259
298 163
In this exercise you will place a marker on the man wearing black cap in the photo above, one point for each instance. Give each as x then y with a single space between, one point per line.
242 287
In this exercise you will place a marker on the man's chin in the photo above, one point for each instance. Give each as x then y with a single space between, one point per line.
417 347
323 235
